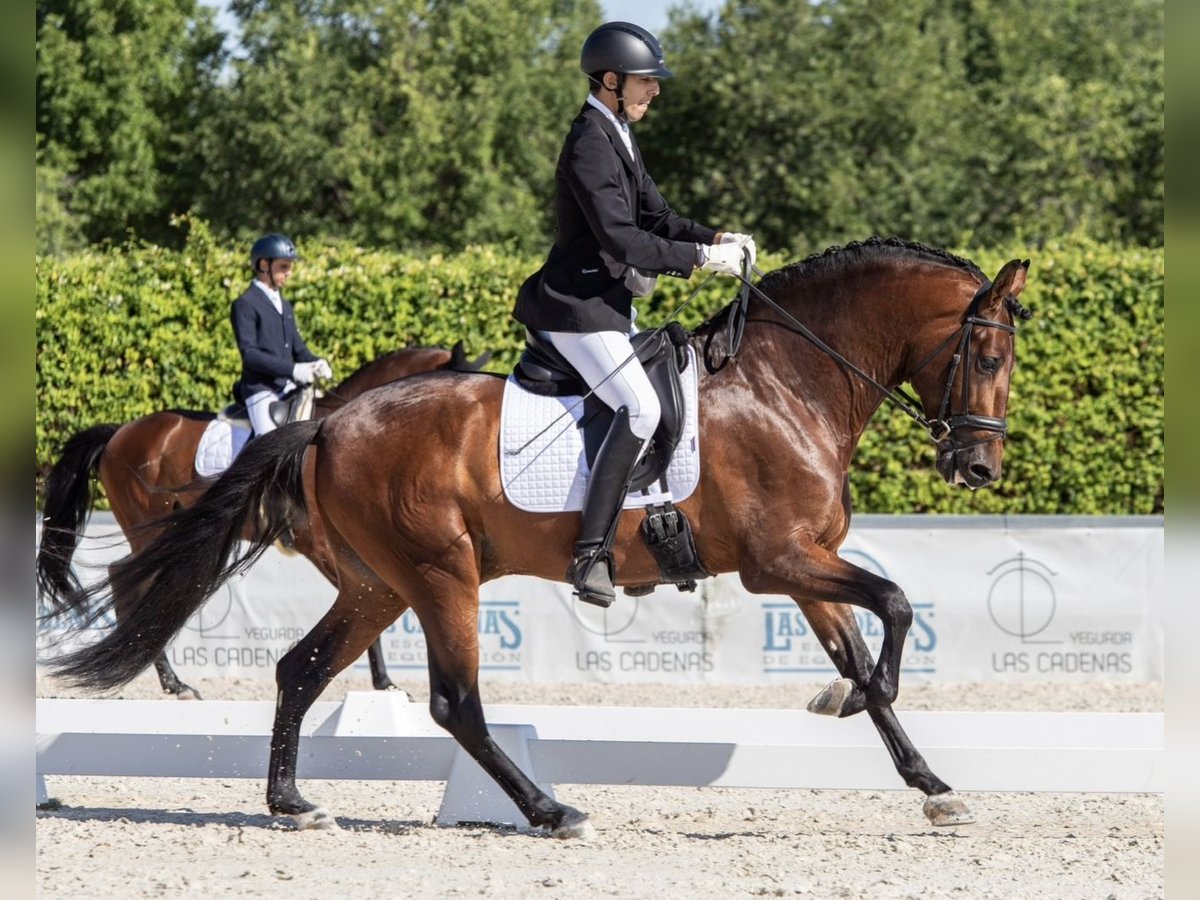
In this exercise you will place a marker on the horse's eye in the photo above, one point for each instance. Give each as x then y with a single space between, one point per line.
989 364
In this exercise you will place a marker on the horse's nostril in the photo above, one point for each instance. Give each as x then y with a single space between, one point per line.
981 471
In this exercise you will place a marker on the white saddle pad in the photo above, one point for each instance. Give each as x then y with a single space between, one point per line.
219 446
543 467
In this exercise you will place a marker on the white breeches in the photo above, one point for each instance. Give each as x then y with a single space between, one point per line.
596 356
258 406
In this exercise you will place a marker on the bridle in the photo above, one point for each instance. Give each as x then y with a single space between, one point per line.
941 428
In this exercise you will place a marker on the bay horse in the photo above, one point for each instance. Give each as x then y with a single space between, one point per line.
146 467
404 482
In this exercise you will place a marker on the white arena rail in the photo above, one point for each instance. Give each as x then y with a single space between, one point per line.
375 735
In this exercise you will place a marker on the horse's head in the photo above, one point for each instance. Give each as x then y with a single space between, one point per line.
964 386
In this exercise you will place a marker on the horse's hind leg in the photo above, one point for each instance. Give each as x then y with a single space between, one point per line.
835 626
309 537
171 683
452 641
357 617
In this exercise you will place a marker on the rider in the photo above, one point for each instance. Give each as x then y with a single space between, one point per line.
274 357
615 235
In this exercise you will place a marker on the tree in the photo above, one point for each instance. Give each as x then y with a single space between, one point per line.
1074 117
404 124
437 125
945 121
119 83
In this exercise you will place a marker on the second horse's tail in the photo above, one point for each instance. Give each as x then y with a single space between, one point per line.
70 490
191 556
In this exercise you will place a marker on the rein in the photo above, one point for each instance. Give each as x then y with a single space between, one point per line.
939 427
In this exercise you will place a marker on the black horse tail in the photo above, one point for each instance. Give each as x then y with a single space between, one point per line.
191 556
70 491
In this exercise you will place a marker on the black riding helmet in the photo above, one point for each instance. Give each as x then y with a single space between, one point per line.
271 247
626 49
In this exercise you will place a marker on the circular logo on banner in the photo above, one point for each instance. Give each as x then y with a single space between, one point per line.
605 622
1021 600
213 613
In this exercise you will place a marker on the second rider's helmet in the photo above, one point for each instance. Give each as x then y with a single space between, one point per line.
270 247
624 48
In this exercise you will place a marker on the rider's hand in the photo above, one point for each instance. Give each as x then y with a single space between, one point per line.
723 258
745 241
321 369
302 373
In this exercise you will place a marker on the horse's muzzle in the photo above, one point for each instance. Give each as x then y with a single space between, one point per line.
968 465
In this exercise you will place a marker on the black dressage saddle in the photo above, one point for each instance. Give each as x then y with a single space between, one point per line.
663 354
288 408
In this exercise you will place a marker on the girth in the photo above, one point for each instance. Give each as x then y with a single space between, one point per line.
663 355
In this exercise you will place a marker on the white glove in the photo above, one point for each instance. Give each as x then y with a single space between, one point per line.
745 241
302 373
723 258
321 369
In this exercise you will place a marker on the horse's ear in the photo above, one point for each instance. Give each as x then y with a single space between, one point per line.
480 361
458 356
1009 283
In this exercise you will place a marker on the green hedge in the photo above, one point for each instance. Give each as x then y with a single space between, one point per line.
126 331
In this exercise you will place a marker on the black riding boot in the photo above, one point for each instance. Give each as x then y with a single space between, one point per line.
591 570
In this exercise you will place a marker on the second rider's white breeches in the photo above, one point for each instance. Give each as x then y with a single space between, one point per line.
258 407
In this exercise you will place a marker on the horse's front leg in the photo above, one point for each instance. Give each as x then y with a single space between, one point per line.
454 703
814 573
839 634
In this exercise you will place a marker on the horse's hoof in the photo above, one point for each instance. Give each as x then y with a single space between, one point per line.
947 809
832 699
580 829
188 693
315 820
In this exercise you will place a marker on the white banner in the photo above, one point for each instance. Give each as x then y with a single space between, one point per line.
994 599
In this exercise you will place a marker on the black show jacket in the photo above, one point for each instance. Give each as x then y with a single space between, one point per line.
269 343
604 201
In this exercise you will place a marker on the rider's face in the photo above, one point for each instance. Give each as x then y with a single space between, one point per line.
639 91
280 272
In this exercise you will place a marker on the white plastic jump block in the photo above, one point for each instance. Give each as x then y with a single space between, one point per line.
381 736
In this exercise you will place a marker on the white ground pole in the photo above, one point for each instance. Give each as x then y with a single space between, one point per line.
381 735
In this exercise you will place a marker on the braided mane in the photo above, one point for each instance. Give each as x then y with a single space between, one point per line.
841 257
838 258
